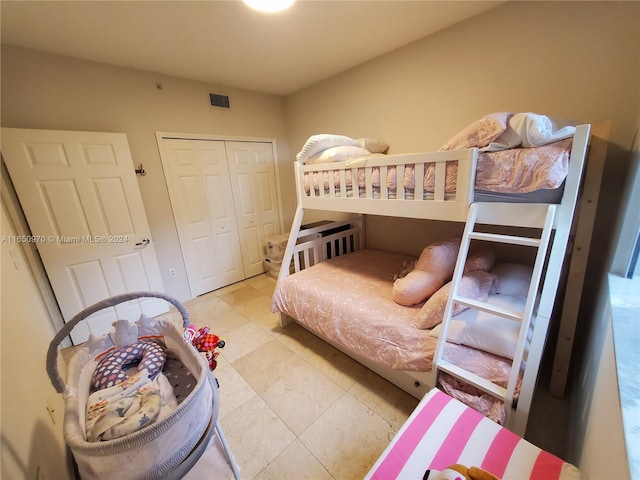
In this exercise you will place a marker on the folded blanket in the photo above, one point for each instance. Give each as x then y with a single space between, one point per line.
530 130
128 407
317 143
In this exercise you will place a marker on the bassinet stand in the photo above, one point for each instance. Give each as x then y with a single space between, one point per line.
214 425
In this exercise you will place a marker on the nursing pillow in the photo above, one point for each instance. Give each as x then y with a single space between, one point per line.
111 369
432 270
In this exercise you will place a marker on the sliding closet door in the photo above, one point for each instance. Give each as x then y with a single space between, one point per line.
200 190
256 199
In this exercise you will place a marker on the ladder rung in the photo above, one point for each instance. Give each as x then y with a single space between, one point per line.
473 379
511 239
487 307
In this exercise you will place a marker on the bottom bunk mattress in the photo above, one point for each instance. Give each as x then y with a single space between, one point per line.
442 432
348 299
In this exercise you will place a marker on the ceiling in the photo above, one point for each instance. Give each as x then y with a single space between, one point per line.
226 43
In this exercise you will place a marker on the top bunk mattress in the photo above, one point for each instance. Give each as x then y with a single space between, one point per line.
521 174
522 157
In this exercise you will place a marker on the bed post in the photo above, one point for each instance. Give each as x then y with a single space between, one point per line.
291 243
288 255
558 250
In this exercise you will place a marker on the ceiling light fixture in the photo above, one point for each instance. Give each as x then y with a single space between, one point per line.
269 5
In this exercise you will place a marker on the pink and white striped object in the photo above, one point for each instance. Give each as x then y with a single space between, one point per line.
442 431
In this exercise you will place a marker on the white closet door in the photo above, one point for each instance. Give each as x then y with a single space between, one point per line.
200 190
82 201
254 191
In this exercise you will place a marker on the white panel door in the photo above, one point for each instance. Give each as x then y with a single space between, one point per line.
254 190
81 199
200 191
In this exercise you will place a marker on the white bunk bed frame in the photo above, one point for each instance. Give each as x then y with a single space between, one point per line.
308 246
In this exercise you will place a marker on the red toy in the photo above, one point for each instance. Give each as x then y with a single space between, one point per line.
205 342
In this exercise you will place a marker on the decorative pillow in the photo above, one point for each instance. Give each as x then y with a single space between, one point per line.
318 143
484 331
481 256
337 154
480 133
476 285
513 278
433 268
374 146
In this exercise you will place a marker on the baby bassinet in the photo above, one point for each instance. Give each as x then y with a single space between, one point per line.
167 448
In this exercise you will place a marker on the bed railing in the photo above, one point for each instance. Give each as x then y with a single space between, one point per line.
314 245
352 188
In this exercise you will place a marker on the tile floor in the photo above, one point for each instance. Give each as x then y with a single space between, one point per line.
294 407
291 406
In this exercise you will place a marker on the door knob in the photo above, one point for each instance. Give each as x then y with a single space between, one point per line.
145 241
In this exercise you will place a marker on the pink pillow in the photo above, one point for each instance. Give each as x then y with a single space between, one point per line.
481 256
476 285
480 133
433 268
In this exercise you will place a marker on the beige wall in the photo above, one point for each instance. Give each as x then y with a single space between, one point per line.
32 442
59 93
576 60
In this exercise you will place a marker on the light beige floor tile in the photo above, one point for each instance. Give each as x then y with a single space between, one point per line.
210 299
296 338
255 307
348 438
263 283
234 390
384 398
301 396
256 436
267 364
213 464
295 463
244 340
230 288
332 362
240 296
269 321
225 321
203 312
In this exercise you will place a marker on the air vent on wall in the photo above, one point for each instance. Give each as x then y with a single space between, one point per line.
219 100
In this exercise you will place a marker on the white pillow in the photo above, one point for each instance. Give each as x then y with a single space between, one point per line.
513 278
318 143
536 130
530 130
373 145
485 331
337 154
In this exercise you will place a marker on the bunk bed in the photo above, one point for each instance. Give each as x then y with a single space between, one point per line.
351 286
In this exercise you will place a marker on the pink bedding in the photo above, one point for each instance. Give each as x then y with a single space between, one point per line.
517 170
348 300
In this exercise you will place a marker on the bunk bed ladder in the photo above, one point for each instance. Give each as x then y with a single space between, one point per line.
538 216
